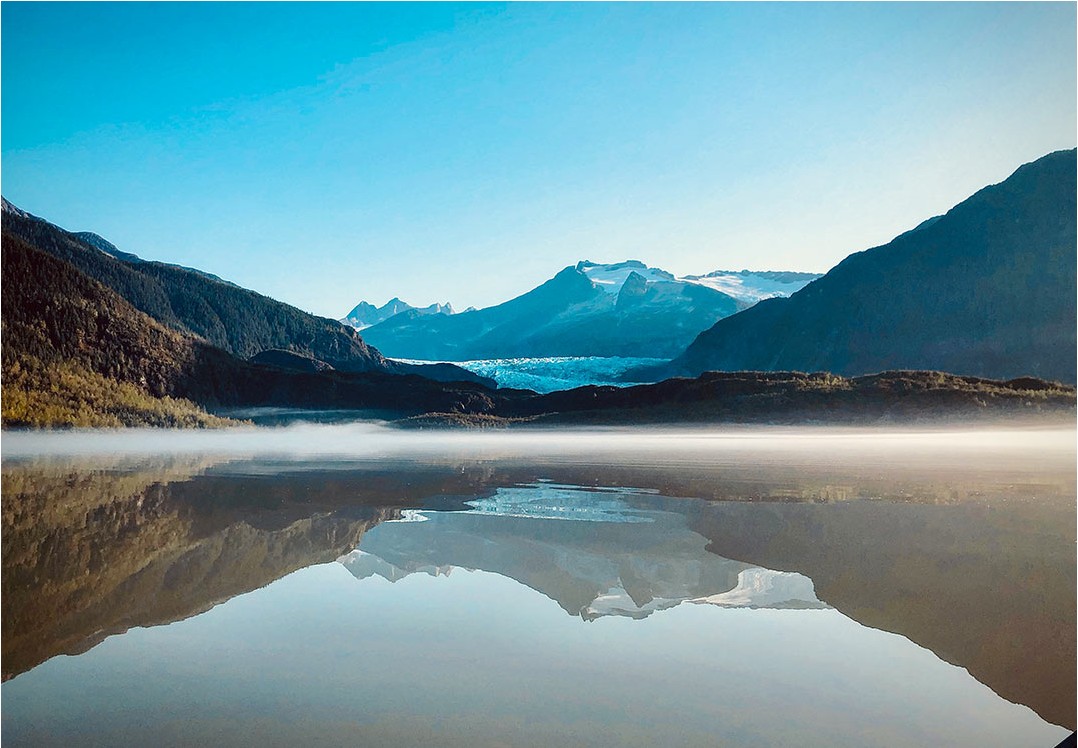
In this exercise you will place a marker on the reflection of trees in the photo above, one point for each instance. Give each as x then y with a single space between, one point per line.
91 553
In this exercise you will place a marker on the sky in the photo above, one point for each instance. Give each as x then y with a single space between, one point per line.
327 153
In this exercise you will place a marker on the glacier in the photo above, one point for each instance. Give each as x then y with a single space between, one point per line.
556 372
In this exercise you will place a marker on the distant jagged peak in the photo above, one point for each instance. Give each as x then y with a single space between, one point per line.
437 308
365 314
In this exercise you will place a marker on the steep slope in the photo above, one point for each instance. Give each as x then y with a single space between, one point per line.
76 353
625 309
987 289
234 319
239 321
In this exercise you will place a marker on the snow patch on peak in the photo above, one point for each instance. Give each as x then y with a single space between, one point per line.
612 277
750 286
746 286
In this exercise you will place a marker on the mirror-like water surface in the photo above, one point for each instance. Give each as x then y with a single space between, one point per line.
378 588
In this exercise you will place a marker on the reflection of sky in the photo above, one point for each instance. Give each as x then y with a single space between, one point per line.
316 657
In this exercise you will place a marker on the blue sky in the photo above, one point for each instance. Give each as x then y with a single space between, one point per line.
327 153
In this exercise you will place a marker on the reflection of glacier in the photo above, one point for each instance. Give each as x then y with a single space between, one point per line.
616 561
552 501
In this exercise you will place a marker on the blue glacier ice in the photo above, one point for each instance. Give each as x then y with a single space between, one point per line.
556 373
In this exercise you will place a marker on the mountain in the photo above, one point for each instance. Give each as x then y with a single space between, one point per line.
590 309
75 352
988 289
749 286
234 319
364 315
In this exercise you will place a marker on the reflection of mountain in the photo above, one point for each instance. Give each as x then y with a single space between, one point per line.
973 559
90 553
585 549
987 587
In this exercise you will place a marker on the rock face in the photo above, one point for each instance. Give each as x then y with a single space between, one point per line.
987 289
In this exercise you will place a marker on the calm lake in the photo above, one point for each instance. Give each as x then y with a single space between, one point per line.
355 584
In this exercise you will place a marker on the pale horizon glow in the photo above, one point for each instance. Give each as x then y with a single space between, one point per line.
324 154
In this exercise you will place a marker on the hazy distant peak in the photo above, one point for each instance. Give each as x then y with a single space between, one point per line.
364 314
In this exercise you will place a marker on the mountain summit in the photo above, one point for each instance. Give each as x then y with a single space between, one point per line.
364 315
588 309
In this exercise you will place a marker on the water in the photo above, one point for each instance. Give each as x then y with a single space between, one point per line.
347 583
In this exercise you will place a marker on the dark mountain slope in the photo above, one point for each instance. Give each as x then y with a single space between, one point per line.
234 319
75 352
987 289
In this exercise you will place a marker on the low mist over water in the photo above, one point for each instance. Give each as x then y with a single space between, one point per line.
990 448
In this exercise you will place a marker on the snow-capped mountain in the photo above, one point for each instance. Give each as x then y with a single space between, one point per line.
364 315
750 286
587 309
747 286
